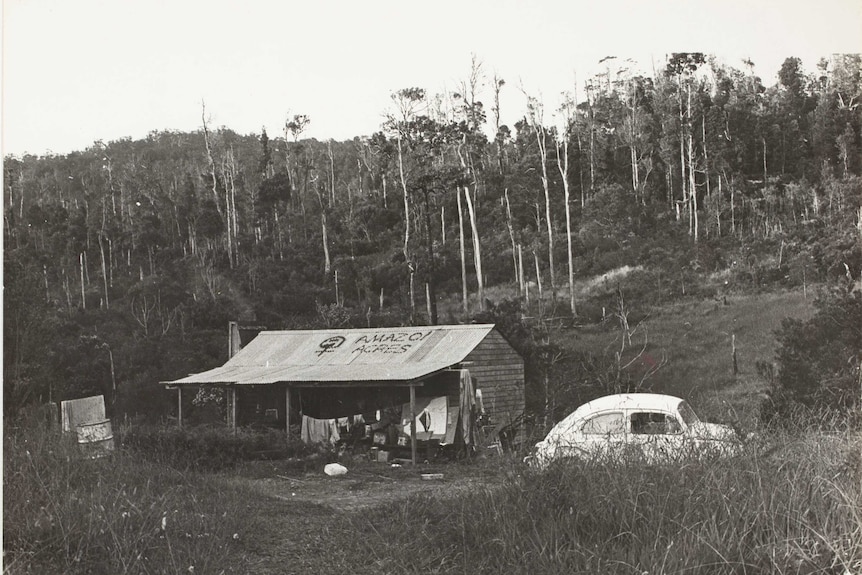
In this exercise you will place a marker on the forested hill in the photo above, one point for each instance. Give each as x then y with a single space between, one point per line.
124 262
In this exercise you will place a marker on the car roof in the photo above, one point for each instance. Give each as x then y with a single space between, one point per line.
629 401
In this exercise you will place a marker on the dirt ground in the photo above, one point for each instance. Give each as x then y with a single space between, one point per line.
366 484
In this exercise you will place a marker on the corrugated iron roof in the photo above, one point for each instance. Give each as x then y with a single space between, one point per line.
345 355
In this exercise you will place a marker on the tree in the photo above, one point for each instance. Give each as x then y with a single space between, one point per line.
682 66
469 149
535 113
409 102
567 111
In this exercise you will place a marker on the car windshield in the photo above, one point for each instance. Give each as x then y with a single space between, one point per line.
687 413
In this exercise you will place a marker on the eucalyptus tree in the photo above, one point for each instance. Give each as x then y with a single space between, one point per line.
682 66
470 151
409 104
568 111
535 119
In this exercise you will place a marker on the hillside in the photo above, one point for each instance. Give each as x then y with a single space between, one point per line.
687 348
124 262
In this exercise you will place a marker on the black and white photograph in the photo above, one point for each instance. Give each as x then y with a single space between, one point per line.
457 287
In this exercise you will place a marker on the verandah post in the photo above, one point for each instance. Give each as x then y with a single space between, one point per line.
287 411
413 423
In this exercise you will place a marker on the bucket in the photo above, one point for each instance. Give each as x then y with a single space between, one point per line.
96 439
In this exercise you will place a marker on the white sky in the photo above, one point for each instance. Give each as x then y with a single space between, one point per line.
75 71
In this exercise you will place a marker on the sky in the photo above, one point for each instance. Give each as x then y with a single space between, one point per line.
77 71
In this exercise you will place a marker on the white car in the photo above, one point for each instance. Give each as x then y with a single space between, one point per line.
643 426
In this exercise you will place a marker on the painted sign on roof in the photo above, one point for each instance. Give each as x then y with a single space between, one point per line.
374 354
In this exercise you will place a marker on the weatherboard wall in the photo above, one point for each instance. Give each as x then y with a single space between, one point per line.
498 371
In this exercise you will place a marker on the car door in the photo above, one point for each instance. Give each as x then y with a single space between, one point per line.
656 436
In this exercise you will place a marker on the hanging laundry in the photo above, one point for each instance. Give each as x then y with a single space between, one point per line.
319 430
467 405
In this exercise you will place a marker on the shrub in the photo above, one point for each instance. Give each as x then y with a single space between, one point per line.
818 360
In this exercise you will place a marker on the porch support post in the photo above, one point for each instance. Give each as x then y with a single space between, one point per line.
413 423
232 409
287 410
180 406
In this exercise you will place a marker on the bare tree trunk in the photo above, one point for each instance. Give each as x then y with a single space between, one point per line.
406 201
535 113
327 265
692 186
464 296
331 173
512 236
563 166
498 84
592 145
718 210
521 284
210 159
682 179
477 251
83 298
228 172
104 271
477 248
539 284
229 223
102 255
706 161
633 142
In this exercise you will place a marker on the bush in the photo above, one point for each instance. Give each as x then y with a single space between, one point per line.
818 360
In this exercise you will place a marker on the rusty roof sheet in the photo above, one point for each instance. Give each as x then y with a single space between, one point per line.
341 356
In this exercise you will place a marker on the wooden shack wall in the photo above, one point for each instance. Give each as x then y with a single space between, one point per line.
498 370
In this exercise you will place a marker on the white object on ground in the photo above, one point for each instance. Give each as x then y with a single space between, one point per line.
334 469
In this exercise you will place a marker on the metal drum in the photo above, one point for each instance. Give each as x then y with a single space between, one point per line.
96 439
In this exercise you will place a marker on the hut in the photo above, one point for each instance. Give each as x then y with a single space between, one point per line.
285 378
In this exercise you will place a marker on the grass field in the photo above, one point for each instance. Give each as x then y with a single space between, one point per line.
791 504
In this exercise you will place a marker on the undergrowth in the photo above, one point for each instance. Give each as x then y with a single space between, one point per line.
63 513
208 448
794 507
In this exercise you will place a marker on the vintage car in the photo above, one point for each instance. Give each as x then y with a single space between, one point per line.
634 426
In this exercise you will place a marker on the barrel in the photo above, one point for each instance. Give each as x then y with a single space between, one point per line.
96 439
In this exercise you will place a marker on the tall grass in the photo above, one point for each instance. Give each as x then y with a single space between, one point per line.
209 448
794 509
120 514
